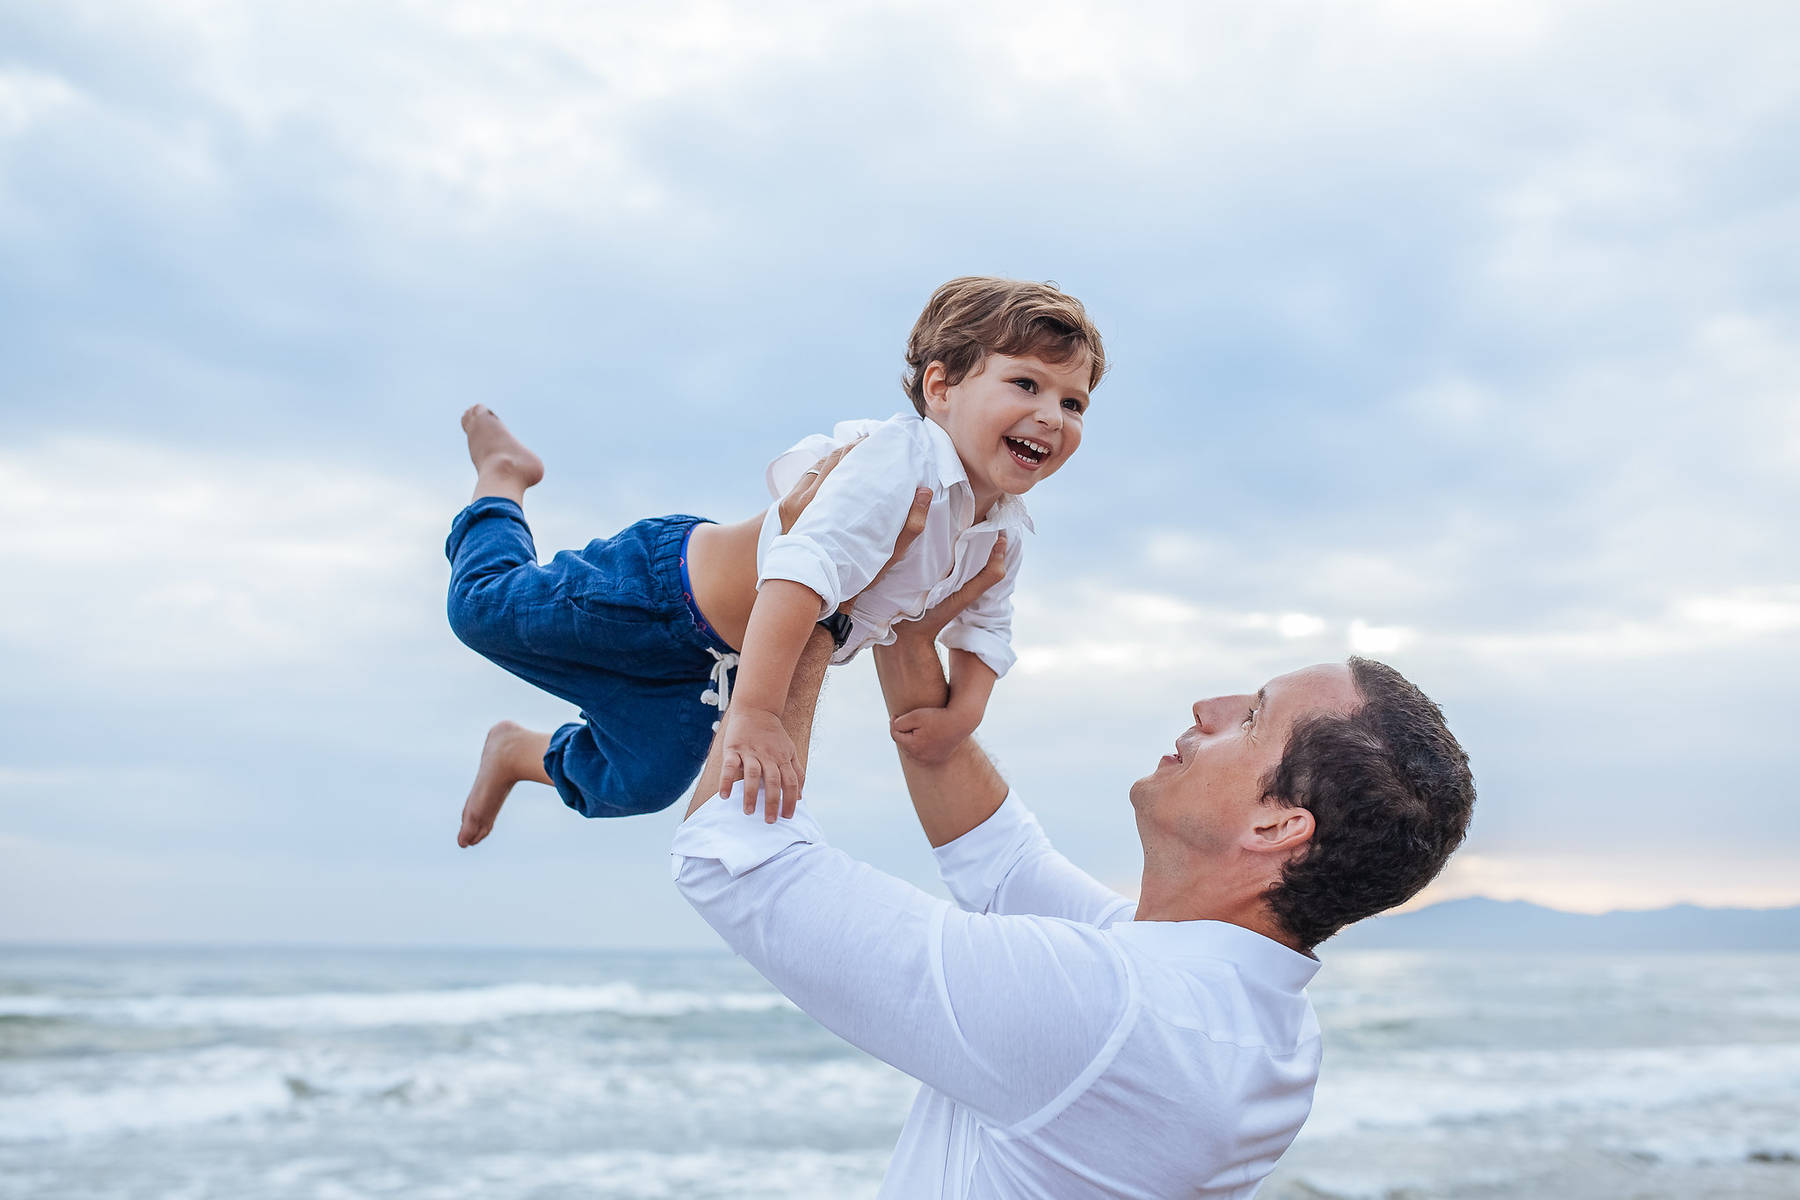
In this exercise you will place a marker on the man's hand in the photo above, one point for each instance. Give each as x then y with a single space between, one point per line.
803 491
927 627
807 486
759 751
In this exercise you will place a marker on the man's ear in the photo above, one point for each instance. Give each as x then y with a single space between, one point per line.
1280 830
935 386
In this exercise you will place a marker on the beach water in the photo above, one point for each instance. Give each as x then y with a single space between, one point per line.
335 1075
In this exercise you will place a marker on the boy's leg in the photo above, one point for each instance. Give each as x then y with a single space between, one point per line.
511 755
502 603
637 754
503 465
600 628
504 469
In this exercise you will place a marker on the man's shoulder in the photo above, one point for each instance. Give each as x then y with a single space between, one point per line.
1213 979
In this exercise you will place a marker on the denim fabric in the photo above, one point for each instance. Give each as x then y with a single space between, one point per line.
606 628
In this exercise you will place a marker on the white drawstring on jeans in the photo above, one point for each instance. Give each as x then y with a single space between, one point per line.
719 692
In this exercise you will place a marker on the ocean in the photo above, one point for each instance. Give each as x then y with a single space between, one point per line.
315 1074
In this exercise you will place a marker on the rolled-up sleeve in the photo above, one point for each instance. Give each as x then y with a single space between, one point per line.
846 534
984 629
999 1013
1006 864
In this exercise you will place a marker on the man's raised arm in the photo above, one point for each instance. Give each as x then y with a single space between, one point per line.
993 861
1000 1015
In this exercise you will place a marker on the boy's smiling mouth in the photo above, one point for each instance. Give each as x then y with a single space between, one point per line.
1027 452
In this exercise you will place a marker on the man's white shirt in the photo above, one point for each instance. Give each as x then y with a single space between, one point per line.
1065 1049
847 533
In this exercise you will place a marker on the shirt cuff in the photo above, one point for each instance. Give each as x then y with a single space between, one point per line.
975 864
798 559
720 830
984 644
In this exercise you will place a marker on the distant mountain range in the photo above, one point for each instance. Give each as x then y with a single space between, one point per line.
1515 925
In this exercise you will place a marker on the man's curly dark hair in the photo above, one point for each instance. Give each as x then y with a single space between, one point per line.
1390 792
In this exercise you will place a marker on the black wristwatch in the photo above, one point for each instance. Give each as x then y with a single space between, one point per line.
838 626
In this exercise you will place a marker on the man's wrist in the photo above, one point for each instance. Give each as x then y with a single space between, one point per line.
838 626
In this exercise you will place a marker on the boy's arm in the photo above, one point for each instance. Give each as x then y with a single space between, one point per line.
756 749
806 677
930 734
984 627
961 789
773 642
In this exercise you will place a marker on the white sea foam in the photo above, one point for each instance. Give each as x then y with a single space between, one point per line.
456 1006
73 1112
521 1082
1420 1088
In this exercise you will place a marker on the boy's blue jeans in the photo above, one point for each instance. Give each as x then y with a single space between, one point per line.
609 628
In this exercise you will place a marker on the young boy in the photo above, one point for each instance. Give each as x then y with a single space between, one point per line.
643 630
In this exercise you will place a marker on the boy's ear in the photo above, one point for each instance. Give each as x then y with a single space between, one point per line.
935 386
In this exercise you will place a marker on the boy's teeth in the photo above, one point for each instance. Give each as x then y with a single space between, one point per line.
1035 449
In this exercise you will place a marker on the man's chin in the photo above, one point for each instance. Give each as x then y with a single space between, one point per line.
1140 790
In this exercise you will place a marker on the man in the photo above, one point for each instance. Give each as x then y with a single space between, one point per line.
1069 1042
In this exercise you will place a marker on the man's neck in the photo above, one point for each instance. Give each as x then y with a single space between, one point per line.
1247 911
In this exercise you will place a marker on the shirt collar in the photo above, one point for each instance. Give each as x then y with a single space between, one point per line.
1008 511
1257 955
944 458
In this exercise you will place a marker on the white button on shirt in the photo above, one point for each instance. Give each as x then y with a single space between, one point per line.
846 535
1065 1049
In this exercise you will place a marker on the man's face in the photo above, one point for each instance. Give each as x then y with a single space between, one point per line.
1208 793
1014 421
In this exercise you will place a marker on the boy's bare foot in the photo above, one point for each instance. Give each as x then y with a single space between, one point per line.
503 466
511 754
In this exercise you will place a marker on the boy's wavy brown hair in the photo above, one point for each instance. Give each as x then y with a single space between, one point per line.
976 315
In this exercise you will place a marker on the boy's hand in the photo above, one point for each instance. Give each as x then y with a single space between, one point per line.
758 751
930 734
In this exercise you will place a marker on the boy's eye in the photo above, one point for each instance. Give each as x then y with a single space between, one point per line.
1029 385
1073 405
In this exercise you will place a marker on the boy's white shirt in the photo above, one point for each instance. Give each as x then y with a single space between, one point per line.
846 535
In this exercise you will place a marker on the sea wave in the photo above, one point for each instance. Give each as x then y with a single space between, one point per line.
453 1006
1432 1088
517 1083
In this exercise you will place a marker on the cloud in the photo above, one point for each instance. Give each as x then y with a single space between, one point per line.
1439 336
147 559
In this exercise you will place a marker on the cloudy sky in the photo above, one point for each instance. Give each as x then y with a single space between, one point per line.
1460 334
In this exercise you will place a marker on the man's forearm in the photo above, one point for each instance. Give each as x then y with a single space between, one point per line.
796 715
956 795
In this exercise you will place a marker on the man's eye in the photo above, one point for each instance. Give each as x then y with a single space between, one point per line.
1249 716
1029 385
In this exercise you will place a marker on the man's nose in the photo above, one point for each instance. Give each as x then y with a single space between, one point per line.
1219 712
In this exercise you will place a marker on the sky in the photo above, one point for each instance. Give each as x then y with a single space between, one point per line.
1460 335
